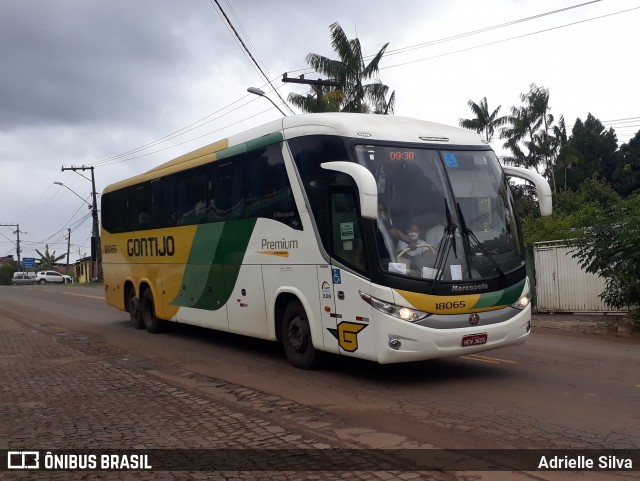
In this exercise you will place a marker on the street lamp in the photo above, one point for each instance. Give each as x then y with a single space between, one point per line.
97 268
74 193
257 91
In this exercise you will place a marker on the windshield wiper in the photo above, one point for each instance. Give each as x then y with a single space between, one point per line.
467 234
443 249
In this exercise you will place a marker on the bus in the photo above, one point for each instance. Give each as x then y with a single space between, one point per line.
301 231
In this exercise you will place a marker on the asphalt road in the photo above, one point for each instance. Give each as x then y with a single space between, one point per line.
559 390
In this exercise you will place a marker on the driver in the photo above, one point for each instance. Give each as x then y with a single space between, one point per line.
415 245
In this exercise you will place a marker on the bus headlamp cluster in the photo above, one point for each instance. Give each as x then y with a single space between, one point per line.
401 312
523 302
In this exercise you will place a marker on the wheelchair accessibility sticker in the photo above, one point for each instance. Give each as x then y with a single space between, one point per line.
337 277
450 159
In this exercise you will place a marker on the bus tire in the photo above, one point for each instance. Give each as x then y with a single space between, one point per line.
296 337
148 313
133 306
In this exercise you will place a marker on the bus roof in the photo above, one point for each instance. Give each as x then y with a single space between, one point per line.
362 126
378 127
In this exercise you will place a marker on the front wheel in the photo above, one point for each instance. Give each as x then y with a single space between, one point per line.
42 282
296 337
148 311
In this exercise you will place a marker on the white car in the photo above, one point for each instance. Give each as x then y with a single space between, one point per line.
44 277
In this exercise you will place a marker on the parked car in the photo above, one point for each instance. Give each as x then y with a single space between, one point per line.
21 279
24 273
44 277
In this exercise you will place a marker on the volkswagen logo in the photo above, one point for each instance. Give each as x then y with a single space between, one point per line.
474 319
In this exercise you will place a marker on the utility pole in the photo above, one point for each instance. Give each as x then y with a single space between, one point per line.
316 84
96 252
68 247
17 232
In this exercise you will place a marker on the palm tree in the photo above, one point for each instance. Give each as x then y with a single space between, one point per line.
48 260
351 71
529 127
484 122
566 156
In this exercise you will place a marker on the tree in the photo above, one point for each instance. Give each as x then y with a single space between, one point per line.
626 176
529 134
351 71
597 147
611 249
6 273
484 122
48 260
572 211
566 156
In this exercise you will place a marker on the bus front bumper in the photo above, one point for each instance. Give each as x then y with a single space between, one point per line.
402 341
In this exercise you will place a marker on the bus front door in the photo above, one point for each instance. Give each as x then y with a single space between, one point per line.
352 330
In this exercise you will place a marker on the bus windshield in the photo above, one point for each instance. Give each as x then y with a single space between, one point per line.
443 215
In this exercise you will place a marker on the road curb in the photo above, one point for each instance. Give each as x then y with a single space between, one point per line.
610 325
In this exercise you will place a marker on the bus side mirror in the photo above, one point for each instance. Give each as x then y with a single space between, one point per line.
366 185
542 186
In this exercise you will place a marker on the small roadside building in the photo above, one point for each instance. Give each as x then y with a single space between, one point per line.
83 270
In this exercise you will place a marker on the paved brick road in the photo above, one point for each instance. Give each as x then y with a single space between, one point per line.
63 391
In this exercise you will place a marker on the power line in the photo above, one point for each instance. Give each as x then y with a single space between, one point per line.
483 30
509 39
177 133
199 123
464 34
246 49
186 141
621 120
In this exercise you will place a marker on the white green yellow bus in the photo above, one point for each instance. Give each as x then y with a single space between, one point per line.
298 231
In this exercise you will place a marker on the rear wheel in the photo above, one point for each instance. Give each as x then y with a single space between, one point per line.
296 337
148 312
133 306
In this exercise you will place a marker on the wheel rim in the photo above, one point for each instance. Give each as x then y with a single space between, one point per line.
298 334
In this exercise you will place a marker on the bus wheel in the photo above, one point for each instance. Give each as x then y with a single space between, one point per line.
296 337
133 306
148 313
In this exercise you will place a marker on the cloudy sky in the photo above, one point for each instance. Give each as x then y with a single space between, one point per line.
125 85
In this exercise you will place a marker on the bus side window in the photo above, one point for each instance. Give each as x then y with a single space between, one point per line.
140 218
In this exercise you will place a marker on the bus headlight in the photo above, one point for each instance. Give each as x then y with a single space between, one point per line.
523 302
401 312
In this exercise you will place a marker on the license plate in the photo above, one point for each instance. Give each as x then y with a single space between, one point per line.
474 340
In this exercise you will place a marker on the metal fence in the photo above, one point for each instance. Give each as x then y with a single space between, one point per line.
562 285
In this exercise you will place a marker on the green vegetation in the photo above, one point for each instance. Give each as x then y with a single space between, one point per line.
596 186
48 260
6 274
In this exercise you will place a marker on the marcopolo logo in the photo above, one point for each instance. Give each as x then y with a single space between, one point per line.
470 288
